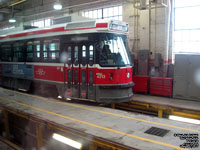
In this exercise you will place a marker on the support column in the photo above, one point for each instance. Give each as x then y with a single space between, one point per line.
160 113
113 105
39 136
93 147
6 124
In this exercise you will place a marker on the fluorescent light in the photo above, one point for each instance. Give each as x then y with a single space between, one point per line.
57 6
67 141
12 20
177 118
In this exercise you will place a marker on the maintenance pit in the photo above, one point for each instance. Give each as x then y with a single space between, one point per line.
31 122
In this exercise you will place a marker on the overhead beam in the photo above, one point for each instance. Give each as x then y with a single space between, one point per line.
5 11
11 3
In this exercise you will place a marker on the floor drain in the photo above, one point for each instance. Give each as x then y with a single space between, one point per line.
157 131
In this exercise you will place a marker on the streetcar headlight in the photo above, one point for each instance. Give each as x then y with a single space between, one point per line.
128 75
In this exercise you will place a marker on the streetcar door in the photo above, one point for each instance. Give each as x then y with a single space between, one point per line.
91 73
80 71
72 76
83 71
68 70
87 72
75 71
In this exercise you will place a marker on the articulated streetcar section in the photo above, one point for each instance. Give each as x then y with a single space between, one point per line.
90 126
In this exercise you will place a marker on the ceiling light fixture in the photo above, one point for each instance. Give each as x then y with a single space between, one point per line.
12 20
57 6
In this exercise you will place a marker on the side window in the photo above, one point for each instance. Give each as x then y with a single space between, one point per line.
69 55
91 55
29 51
83 77
51 49
37 49
18 52
90 78
83 55
6 54
54 48
69 78
45 49
76 77
76 55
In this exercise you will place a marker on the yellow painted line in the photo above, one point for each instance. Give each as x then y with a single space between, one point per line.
94 125
113 114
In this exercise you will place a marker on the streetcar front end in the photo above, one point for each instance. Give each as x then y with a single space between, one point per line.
114 66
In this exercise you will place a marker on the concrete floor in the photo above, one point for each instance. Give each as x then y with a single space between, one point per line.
171 102
113 125
4 146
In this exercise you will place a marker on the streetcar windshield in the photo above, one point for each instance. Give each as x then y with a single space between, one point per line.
114 50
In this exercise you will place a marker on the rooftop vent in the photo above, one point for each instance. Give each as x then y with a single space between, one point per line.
61 20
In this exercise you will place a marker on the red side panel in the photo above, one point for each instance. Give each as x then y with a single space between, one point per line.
113 76
141 84
51 73
161 86
100 76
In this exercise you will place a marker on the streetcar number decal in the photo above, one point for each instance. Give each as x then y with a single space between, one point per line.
100 76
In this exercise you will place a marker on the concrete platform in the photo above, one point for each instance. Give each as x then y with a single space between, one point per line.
168 102
4 146
110 124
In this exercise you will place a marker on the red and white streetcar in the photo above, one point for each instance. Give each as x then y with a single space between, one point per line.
84 60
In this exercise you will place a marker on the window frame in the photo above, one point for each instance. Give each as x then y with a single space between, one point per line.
44 21
29 60
22 51
91 11
11 52
180 44
48 50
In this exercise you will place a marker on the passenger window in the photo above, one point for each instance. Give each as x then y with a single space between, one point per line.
76 55
54 47
37 48
83 51
29 51
51 49
6 54
18 52
84 55
69 53
76 77
83 78
90 78
45 47
91 55
69 78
